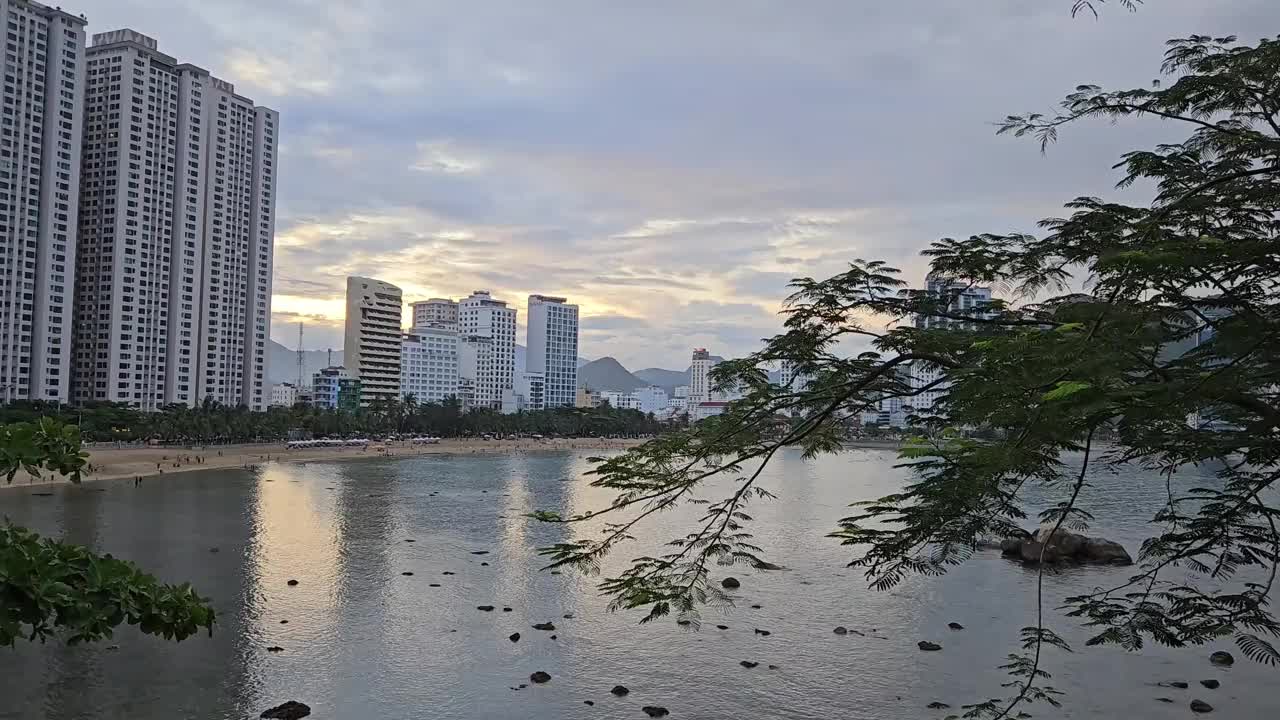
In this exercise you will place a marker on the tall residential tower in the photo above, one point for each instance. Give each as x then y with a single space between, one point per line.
44 74
553 348
177 226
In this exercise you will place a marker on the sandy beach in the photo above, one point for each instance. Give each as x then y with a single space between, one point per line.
111 463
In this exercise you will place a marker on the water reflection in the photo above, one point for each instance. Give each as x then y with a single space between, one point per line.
365 640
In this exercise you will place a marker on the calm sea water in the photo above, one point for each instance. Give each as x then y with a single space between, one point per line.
364 640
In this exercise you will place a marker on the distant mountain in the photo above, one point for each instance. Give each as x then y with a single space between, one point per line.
665 379
282 363
608 375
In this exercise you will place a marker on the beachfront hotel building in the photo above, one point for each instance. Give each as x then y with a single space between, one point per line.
372 339
553 348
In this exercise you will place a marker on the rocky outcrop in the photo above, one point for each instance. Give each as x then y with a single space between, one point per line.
291 710
1054 547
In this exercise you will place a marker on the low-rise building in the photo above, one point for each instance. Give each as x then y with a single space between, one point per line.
325 386
284 395
531 391
587 398
704 410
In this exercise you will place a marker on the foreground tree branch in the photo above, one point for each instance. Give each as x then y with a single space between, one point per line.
1173 358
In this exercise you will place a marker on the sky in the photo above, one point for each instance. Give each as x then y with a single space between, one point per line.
667 165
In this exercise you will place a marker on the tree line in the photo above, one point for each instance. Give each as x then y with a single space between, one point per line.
212 423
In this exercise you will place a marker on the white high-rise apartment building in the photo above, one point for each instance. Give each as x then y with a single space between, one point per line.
177 227
429 364
553 348
481 316
475 360
699 377
371 349
40 142
438 312
961 299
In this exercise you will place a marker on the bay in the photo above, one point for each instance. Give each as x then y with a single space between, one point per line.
365 640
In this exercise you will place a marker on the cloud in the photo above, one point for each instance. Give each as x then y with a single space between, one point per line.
666 169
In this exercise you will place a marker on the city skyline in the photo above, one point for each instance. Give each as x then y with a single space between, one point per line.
557 153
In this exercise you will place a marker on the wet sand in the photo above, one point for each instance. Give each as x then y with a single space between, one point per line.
111 463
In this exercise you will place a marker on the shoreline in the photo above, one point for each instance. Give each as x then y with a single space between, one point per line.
110 463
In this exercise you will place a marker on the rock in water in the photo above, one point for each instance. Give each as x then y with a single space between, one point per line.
406 573
928 646
540 677
544 626
1222 657
730 583
1061 545
955 626
762 565
587 702
1201 706
485 608
842 630
937 706
291 710
480 552
655 711
275 649
722 627
763 633
748 664
291 583
619 690
514 637
1211 684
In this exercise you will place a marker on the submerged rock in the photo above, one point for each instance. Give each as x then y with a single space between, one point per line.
291 710
937 706
762 565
